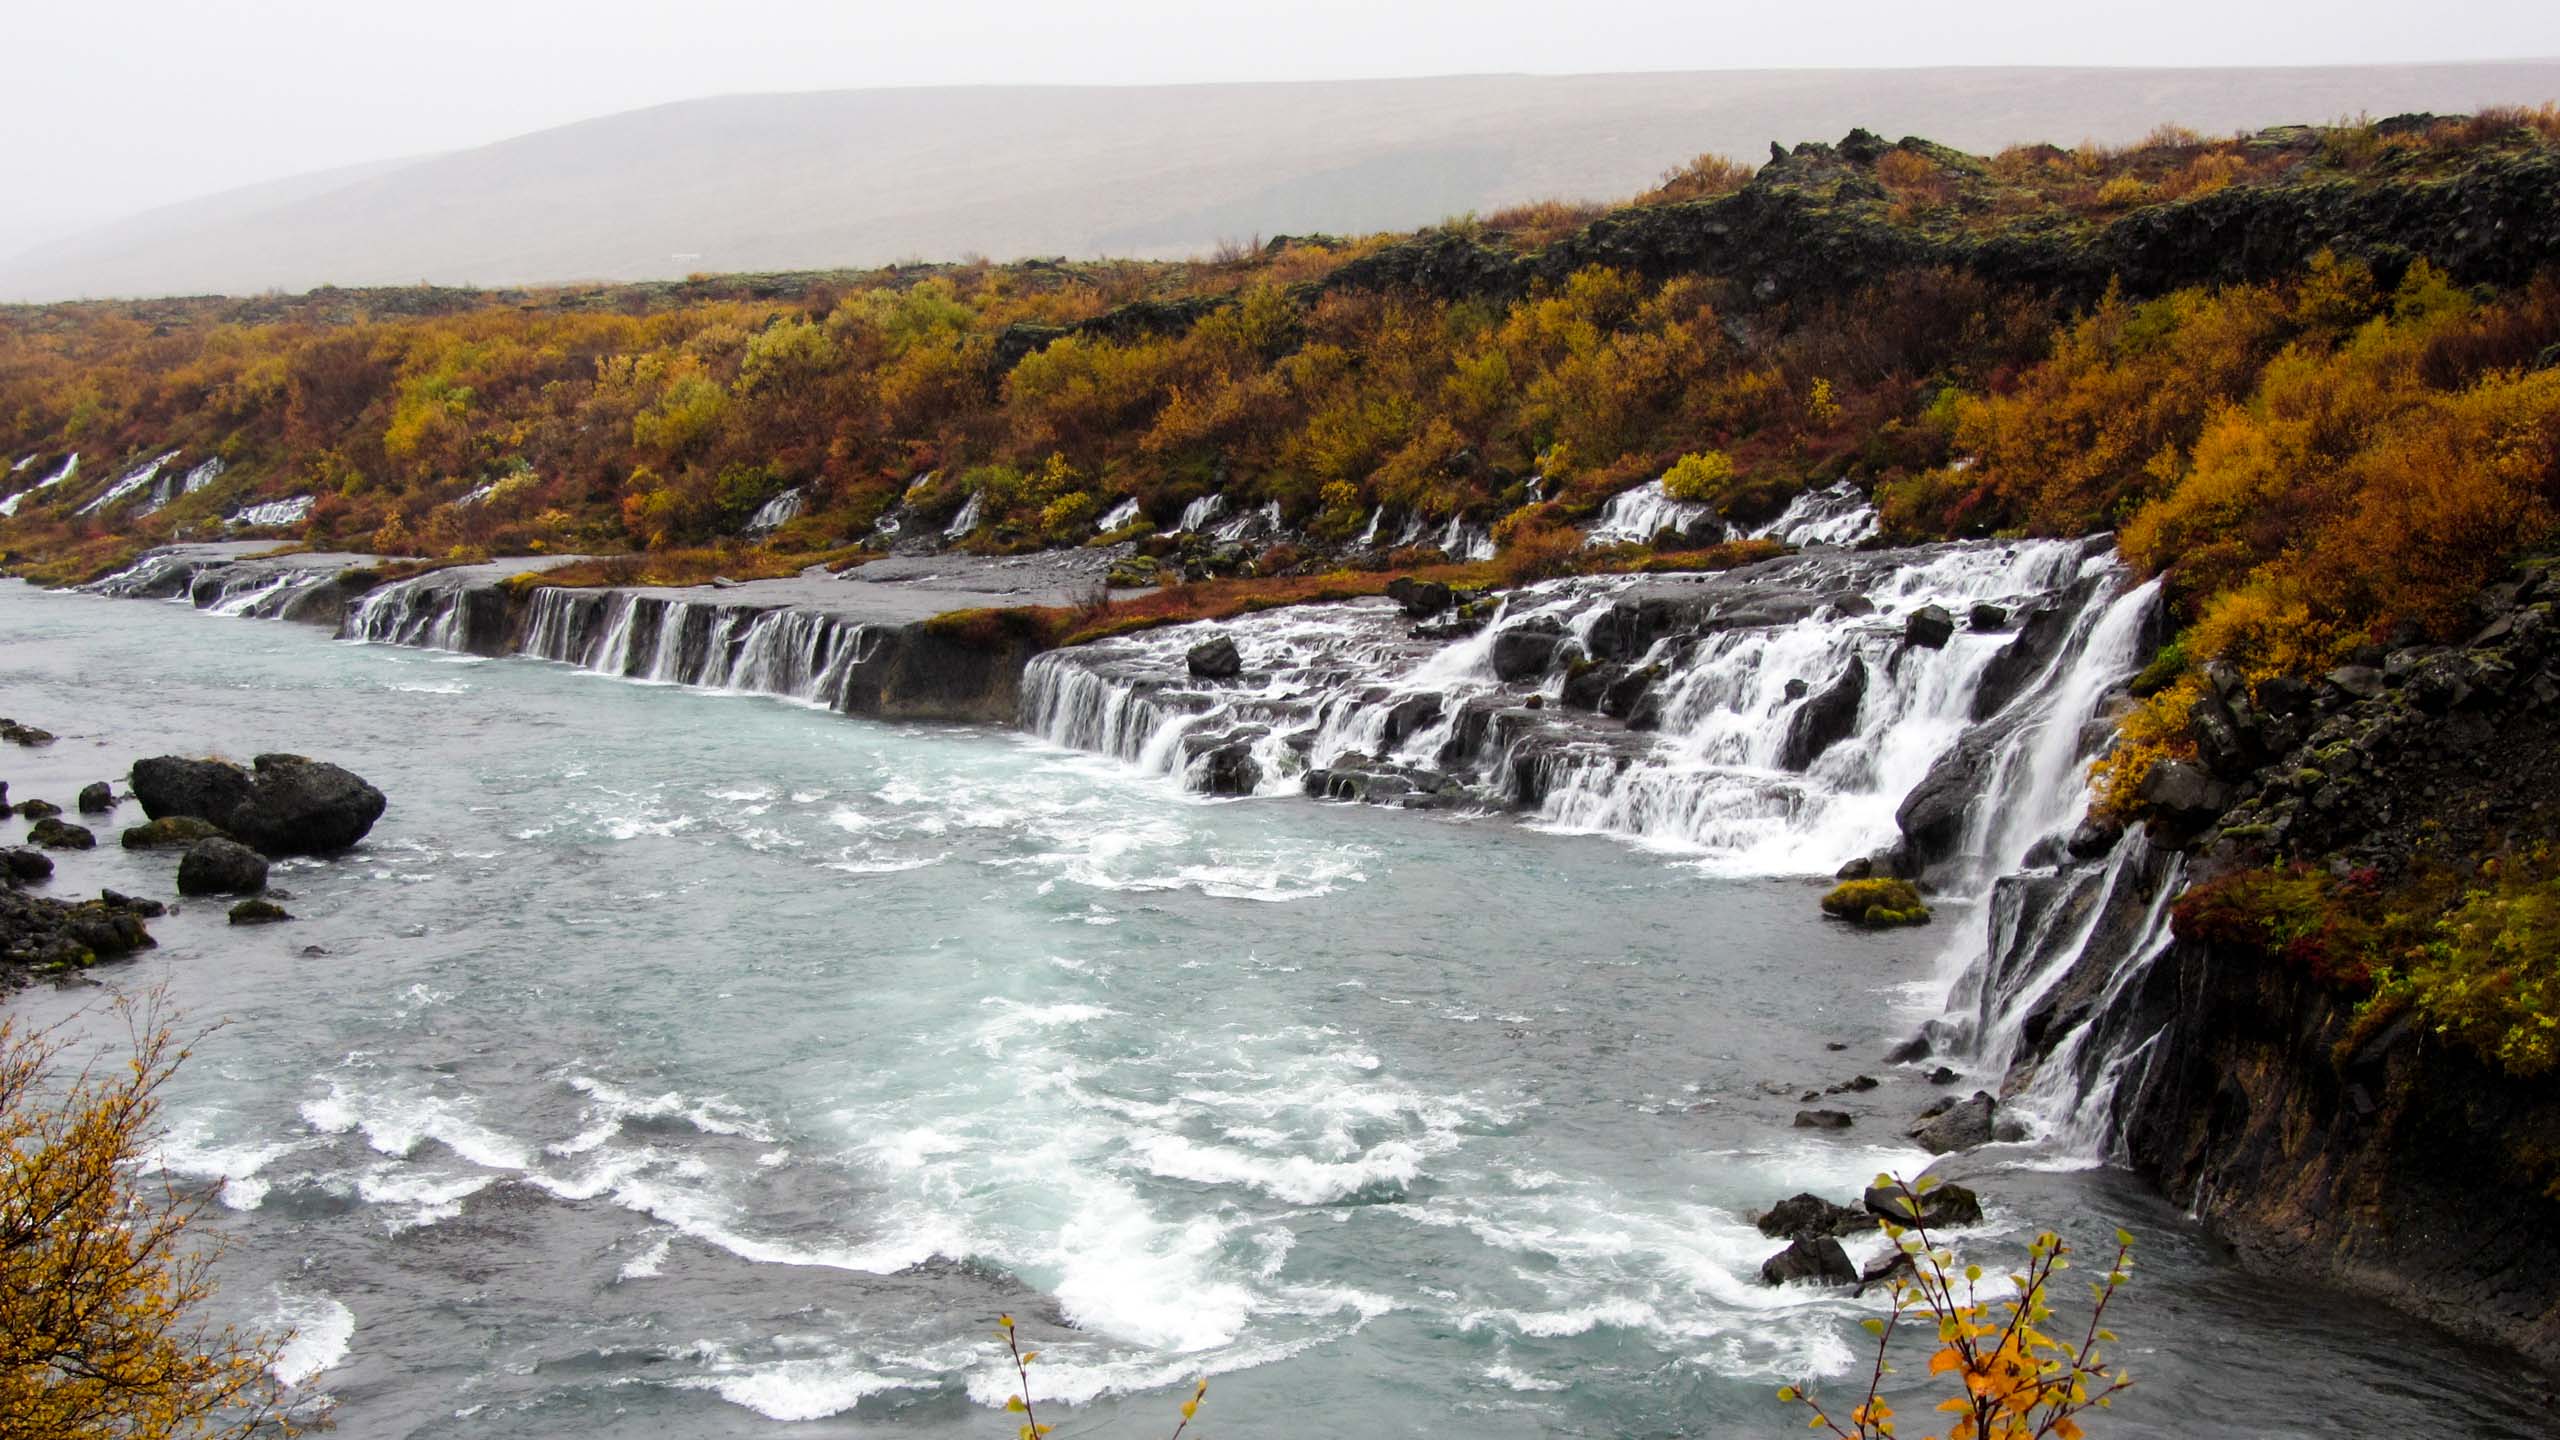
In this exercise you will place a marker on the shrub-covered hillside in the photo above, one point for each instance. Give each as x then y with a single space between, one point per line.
2309 371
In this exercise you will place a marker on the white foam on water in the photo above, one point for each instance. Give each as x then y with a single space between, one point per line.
1297 1179
1513 1378
191 1148
797 1389
324 1329
396 1124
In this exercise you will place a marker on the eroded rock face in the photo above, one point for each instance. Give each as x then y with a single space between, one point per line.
288 805
1826 719
1215 659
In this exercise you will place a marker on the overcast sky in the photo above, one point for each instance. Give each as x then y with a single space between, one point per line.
113 106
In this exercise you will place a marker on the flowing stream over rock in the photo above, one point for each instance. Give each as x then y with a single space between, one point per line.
683 1064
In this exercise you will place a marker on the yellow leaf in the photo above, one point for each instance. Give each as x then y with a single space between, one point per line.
1015 1405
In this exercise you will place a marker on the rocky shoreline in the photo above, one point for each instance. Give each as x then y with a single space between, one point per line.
223 820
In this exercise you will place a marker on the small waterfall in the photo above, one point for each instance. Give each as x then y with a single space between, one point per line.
968 518
1197 515
1463 540
1641 513
426 611
1124 513
273 513
777 512
1262 521
126 484
70 467
1836 515
204 474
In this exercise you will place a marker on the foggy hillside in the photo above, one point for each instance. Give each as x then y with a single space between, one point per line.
864 177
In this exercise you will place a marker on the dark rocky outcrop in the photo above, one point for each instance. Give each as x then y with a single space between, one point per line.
1965 1125
38 933
1527 651
288 805
1939 1207
258 912
17 734
1929 627
37 809
1817 1261
1809 1216
22 866
1823 1120
1824 720
97 799
221 867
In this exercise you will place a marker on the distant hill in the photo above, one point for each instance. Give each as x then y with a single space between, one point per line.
860 177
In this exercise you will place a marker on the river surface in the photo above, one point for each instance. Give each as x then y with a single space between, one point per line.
676 1064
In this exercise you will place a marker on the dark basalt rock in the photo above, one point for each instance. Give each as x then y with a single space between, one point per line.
37 809
117 900
54 834
1225 765
1929 627
1965 1124
97 799
1823 1120
2183 792
42 933
258 912
1987 616
1826 719
1939 1207
1818 1261
1420 599
1215 658
23 866
1525 652
1809 1216
1588 682
290 805
221 867
17 734
174 831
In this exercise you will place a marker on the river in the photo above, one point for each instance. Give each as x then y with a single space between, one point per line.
679 1064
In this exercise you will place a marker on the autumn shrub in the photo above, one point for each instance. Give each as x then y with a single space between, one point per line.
103 1289
1701 177
2152 732
2013 1369
1698 479
2488 978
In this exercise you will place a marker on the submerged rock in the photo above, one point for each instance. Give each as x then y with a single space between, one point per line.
221 867
1819 1261
38 809
97 799
289 806
1823 1120
258 912
17 734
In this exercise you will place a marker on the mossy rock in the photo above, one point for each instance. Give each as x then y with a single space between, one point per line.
55 834
171 832
258 912
38 809
1876 904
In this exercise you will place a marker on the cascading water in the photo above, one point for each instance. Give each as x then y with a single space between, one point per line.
274 513
1639 514
792 653
126 484
1836 515
70 467
1727 668
777 512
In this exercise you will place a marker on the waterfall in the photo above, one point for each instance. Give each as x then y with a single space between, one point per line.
796 654
426 611
1641 513
1126 512
777 512
126 484
967 520
1668 711
70 467
273 513
1197 515
1836 515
